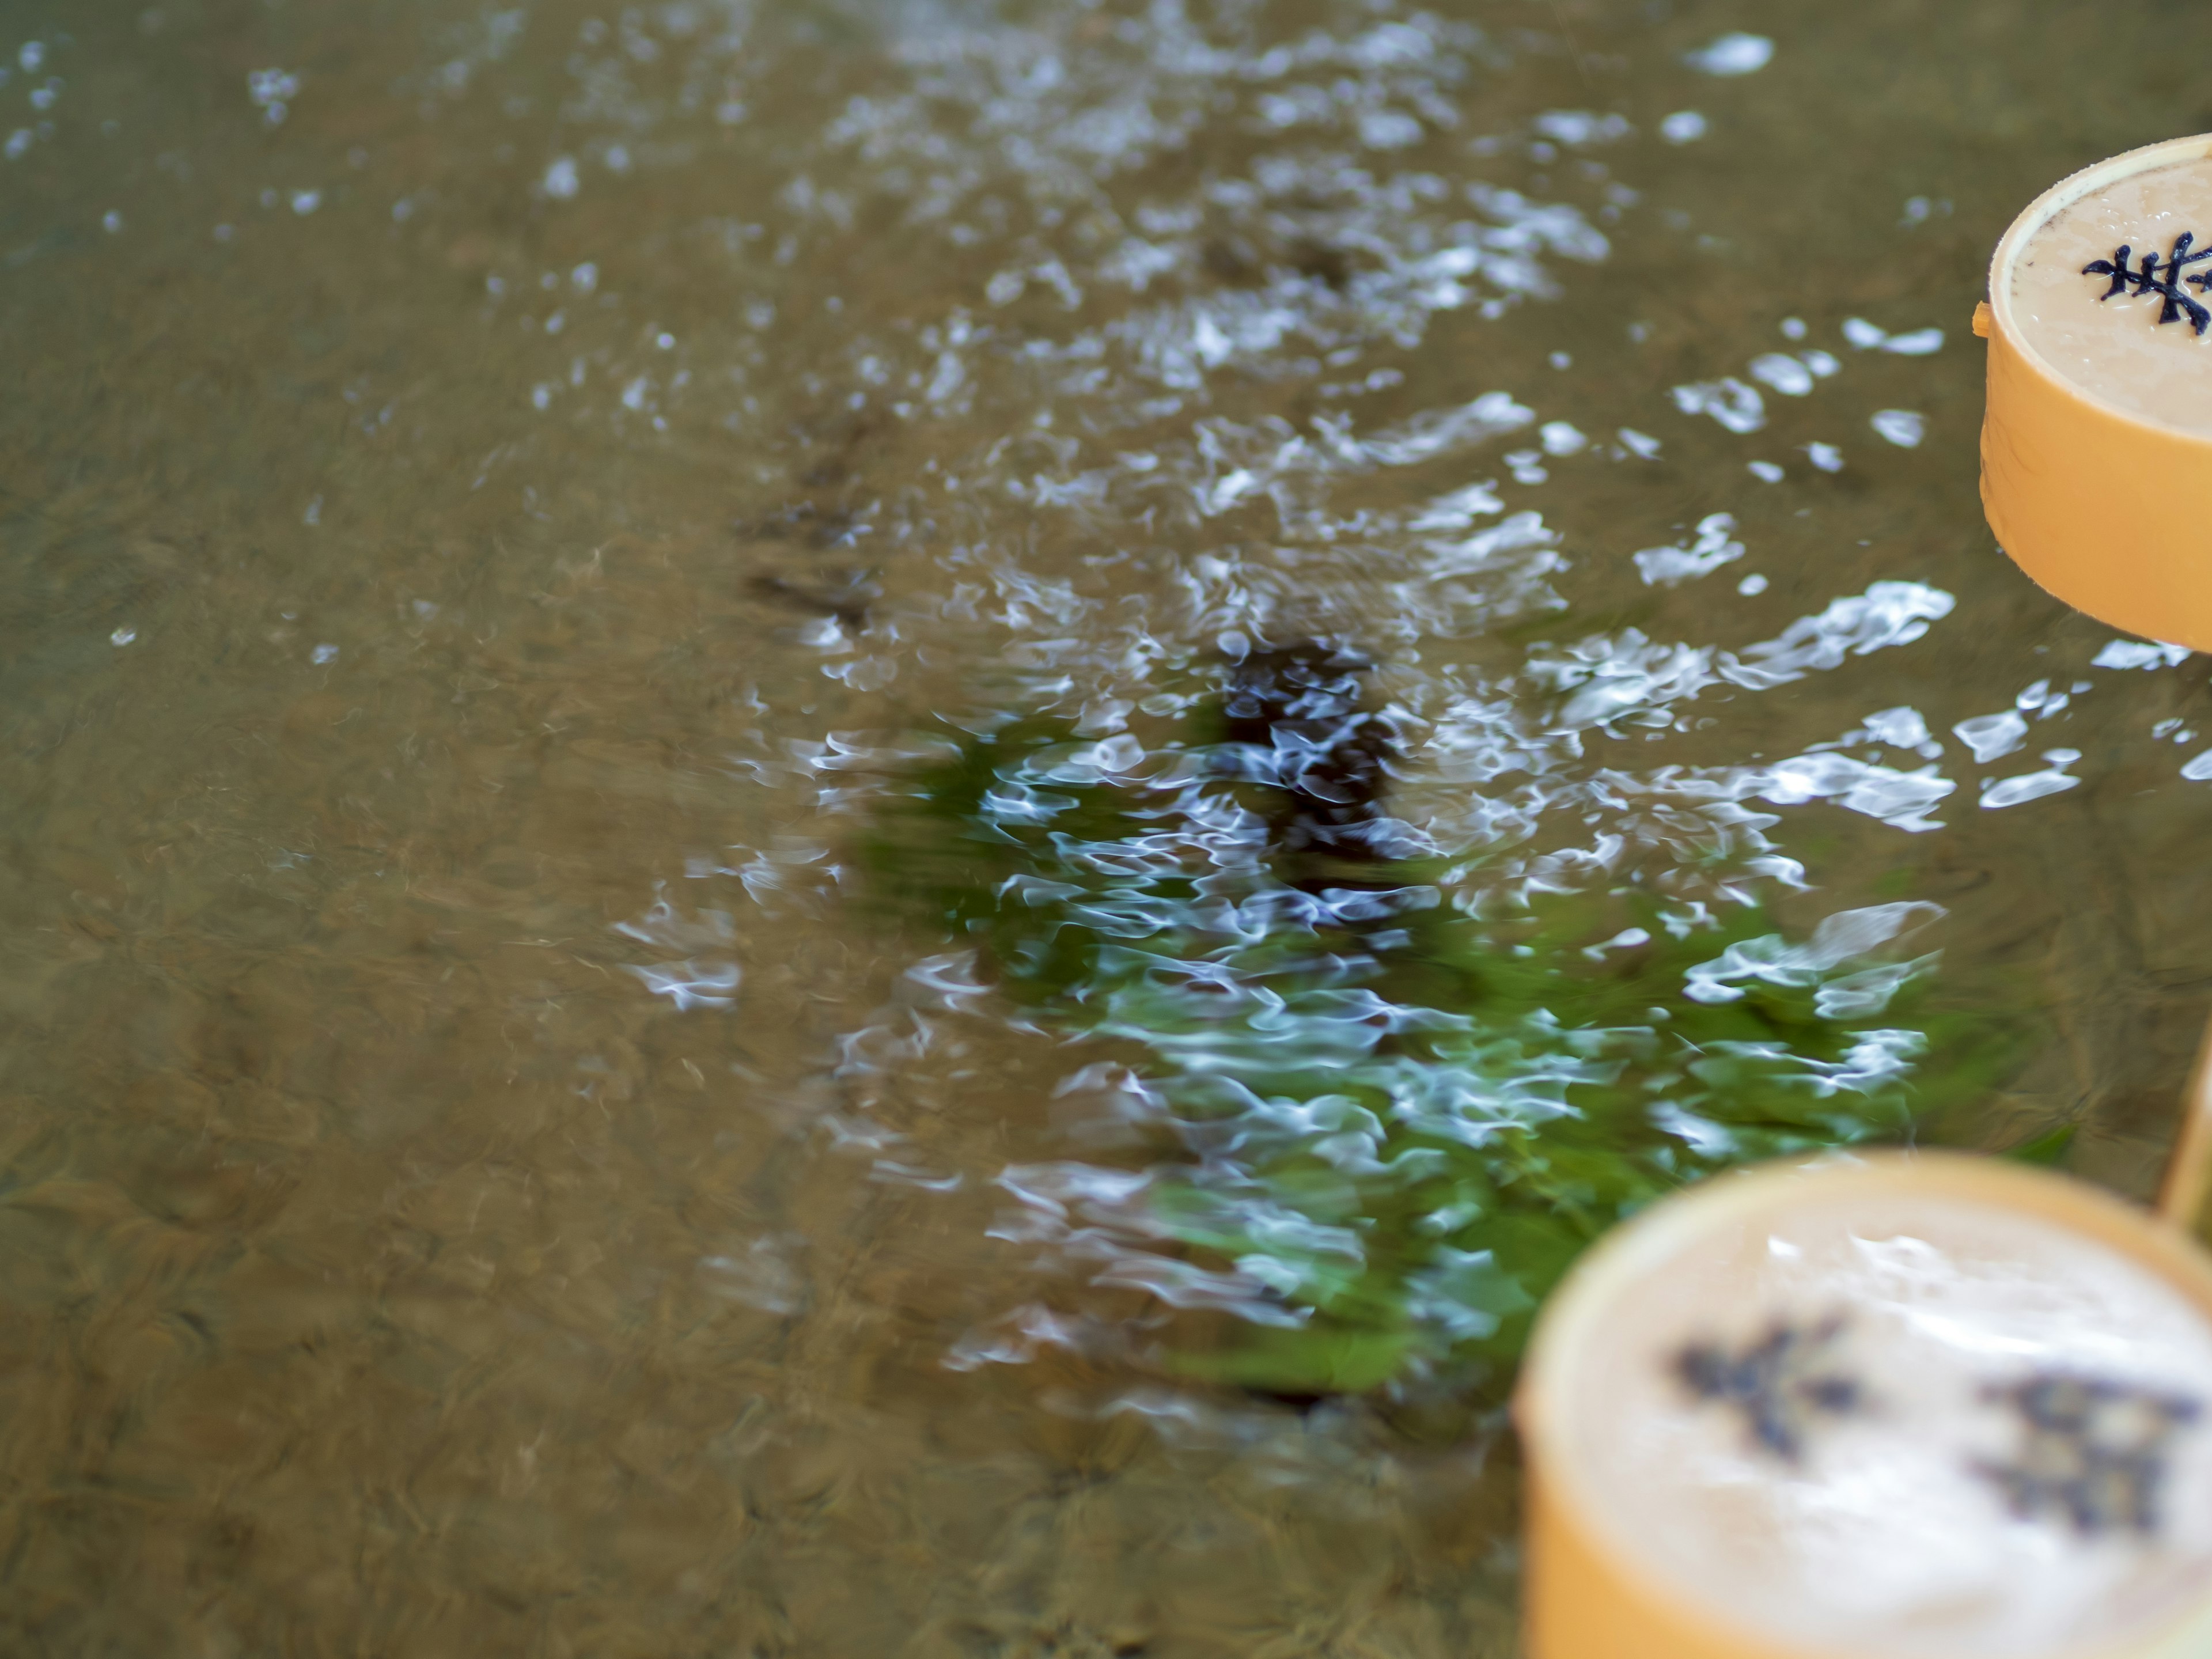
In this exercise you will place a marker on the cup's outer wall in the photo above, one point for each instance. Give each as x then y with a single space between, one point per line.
1576 1604
2110 516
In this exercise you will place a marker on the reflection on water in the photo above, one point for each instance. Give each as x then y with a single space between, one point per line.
1406 1100
501 504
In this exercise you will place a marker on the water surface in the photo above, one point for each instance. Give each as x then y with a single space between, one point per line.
490 497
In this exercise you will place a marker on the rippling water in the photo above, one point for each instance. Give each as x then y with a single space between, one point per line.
501 506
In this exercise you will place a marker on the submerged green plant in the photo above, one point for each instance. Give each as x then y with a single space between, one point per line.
1401 1118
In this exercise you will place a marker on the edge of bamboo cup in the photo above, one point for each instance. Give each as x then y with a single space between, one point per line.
2185 1197
1588 1591
2102 509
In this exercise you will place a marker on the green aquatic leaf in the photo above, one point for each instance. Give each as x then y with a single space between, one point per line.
1330 1359
2046 1151
1406 1115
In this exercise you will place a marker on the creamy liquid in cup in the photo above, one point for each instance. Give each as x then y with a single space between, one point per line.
1905 1423
2102 332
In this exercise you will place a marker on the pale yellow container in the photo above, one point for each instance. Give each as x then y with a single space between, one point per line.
1587 1595
2108 511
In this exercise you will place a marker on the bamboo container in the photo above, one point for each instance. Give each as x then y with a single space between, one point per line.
1602 1584
2106 509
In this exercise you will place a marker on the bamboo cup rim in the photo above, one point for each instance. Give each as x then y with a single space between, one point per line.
2185 1198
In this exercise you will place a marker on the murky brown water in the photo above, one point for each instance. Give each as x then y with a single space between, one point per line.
487 493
